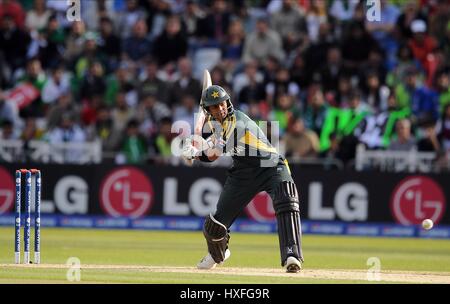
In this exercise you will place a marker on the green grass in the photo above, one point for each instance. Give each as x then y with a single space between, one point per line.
156 248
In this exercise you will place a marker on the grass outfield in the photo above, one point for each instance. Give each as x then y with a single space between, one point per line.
133 256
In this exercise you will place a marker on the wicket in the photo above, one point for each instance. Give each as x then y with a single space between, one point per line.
30 175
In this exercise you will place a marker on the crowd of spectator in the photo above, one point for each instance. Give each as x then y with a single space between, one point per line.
129 68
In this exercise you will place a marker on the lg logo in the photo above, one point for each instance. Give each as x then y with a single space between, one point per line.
351 203
416 198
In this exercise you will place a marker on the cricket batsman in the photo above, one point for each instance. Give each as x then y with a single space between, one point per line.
257 166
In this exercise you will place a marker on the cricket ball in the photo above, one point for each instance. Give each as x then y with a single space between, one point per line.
427 224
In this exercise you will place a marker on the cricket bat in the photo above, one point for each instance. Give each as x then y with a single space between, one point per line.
200 117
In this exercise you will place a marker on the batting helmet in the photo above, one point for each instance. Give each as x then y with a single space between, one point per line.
214 95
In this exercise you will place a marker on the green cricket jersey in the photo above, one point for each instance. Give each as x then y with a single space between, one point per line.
245 141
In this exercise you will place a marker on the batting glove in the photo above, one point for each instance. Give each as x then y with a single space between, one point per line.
189 151
219 143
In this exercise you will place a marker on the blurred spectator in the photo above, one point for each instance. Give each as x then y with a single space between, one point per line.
422 44
318 52
137 45
269 68
89 55
13 9
344 89
89 109
262 43
413 95
443 128
13 43
151 84
284 111
356 103
94 82
63 105
282 85
185 84
299 141
185 110
316 109
66 131
122 113
248 75
157 12
7 131
134 145
163 140
30 132
383 31
377 129
4 72
332 152
37 18
376 93
440 21
289 22
298 71
215 25
258 111
359 14
428 141
150 113
253 90
51 44
172 44
445 43
127 19
218 77
411 12
316 15
404 63
443 89
93 11
75 41
57 85
404 141
121 81
109 42
35 76
233 44
8 111
343 10
248 14
190 17
357 46
328 72
373 65
104 130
